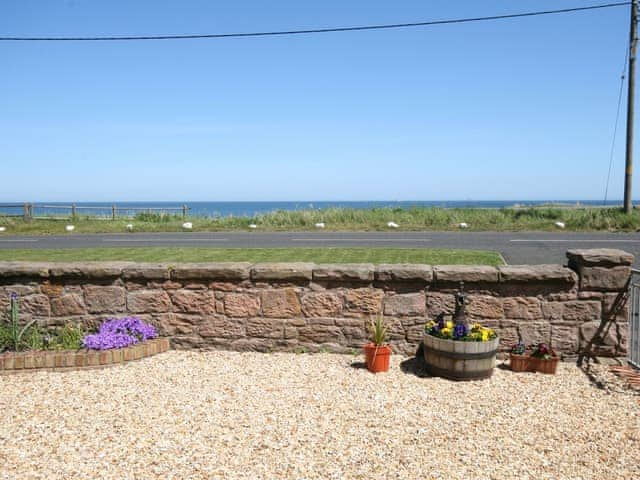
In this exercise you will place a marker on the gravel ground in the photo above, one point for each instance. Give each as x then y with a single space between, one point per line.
191 415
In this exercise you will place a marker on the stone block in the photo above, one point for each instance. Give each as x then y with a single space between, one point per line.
610 341
280 303
202 302
221 327
241 304
405 305
552 311
147 271
24 269
149 301
265 327
522 308
565 338
67 305
465 273
481 307
52 289
359 272
604 257
404 273
294 271
537 273
321 304
364 300
212 271
321 334
581 311
88 270
438 303
615 301
37 305
104 299
604 278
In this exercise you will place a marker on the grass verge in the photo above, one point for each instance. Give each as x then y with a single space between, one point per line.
345 219
256 255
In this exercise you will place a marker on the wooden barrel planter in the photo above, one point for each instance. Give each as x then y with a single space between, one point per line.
457 360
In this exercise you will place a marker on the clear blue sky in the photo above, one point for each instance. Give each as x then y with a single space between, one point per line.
515 109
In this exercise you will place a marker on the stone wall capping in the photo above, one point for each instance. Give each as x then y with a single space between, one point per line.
282 271
599 257
406 272
92 270
466 273
537 273
212 271
147 271
363 272
24 269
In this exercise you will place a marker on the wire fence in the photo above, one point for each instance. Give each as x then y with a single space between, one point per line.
32 211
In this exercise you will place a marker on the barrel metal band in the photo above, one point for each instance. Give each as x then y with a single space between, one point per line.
464 356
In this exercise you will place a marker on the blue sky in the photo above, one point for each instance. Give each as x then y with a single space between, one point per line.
515 109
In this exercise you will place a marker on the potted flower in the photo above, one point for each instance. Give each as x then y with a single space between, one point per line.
517 359
455 350
543 359
377 352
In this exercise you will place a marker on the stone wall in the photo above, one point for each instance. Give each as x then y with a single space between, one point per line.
307 307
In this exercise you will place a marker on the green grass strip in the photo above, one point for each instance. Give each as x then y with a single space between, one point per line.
256 255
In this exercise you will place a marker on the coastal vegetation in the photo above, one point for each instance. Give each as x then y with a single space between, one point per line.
257 255
346 219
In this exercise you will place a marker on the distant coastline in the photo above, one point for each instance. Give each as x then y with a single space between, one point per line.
249 209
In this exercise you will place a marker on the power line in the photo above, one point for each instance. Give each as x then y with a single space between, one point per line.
615 128
311 31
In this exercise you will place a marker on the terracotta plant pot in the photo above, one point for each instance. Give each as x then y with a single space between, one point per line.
519 363
377 357
544 365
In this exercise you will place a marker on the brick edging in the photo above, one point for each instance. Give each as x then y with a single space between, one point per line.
79 359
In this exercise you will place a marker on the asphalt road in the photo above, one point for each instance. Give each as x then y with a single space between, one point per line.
516 248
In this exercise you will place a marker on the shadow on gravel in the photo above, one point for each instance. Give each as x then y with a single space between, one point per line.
358 365
416 366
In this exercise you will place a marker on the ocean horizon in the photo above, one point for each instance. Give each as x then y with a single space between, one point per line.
253 208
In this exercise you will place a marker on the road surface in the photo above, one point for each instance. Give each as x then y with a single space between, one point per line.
516 248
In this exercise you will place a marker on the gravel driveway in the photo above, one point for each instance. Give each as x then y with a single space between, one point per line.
189 415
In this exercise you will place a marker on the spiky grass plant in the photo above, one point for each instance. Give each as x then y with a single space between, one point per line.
379 330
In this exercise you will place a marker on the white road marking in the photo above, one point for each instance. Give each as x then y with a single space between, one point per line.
595 240
364 239
18 241
152 240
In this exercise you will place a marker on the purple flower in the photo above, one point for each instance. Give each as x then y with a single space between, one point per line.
118 333
460 331
14 296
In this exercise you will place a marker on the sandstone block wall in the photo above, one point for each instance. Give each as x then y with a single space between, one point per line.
302 306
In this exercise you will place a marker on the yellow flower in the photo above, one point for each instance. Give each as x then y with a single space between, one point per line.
449 324
446 332
485 335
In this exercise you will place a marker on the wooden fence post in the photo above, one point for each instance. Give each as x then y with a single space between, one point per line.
26 212
113 212
184 212
73 210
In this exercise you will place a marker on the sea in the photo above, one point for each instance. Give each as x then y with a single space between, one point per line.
250 209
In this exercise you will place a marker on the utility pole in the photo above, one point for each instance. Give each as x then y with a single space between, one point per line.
628 173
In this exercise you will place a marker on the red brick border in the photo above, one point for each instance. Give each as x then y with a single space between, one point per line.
13 362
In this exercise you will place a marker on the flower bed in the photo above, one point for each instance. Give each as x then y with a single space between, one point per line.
77 359
117 340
